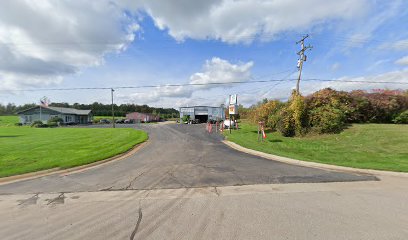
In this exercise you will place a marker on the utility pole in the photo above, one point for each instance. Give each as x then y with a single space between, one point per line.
302 58
113 111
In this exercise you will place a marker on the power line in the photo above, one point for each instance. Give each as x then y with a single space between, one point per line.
351 39
146 86
353 81
205 84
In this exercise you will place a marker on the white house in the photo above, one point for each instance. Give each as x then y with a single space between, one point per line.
68 115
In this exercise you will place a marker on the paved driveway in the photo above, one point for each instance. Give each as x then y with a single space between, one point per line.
180 156
183 185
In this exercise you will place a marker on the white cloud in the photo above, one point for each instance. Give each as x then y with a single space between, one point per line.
391 81
362 32
41 41
335 66
402 61
241 21
400 45
216 70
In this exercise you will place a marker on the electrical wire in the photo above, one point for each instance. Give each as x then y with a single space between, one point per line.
206 84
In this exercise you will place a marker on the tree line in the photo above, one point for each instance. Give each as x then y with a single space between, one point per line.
329 111
98 109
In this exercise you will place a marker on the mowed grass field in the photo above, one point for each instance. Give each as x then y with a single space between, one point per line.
6 121
369 146
26 149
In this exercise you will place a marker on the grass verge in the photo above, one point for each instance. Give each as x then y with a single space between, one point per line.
368 146
6 121
24 150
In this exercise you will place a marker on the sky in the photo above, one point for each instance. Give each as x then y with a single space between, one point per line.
79 44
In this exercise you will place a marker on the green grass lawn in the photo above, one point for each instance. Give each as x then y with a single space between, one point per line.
8 120
97 118
371 146
25 149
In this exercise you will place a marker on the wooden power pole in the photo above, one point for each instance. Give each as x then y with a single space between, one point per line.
302 58
113 110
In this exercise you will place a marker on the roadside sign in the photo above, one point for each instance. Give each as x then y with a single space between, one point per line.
233 99
233 109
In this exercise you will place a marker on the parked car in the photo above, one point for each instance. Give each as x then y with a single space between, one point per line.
120 121
127 121
193 121
104 121
227 123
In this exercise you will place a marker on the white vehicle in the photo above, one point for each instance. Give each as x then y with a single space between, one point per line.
227 123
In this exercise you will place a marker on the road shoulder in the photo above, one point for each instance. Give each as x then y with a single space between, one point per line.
312 164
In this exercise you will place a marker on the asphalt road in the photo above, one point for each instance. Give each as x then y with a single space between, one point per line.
186 184
180 156
370 210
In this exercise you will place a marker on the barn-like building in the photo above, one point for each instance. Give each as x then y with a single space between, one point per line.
142 117
203 113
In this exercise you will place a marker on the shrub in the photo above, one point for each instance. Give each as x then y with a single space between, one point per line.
186 118
297 107
327 119
273 121
337 99
380 106
18 124
52 124
262 112
293 117
286 123
55 120
401 118
37 124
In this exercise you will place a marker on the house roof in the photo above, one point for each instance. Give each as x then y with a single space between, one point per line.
61 110
70 110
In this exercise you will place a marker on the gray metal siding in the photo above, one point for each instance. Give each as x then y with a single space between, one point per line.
214 113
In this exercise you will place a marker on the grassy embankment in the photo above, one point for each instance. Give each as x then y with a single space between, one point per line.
26 149
369 146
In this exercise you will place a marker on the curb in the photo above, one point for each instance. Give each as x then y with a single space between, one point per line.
312 164
68 171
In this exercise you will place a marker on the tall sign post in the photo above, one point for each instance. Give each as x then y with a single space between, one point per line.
233 108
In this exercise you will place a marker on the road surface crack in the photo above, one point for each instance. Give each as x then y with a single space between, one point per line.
31 200
57 200
139 220
134 179
176 179
106 189
216 191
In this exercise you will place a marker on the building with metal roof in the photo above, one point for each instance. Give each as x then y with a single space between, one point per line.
44 113
203 113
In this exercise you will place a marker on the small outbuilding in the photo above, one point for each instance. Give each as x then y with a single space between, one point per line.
142 117
44 113
203 113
